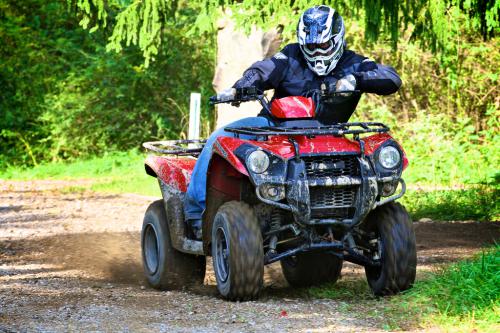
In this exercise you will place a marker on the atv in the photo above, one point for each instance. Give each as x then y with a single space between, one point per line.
309 194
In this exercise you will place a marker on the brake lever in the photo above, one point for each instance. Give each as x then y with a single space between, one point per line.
213 100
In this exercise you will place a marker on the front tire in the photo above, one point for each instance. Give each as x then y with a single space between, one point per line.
397 250
308 269
164 266
237 252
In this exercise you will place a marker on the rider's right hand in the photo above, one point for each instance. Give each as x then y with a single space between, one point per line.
226 95
347 83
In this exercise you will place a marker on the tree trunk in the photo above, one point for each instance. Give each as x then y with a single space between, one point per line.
236 51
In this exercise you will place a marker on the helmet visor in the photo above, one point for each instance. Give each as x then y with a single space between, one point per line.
325 48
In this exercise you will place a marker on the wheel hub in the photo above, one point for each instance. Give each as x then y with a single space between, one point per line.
152 252
222 255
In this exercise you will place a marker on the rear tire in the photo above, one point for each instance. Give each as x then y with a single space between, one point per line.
397 247
165 267
237 252
308 269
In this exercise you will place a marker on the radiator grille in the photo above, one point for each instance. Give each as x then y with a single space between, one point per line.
331 166
336 213
332 197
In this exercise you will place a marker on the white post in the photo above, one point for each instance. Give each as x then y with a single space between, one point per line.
194 116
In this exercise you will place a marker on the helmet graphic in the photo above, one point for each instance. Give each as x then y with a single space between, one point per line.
320 33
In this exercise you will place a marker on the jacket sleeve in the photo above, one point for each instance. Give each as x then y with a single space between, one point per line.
376 78
265 74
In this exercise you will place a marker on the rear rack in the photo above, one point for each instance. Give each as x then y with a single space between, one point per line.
176 147
335 130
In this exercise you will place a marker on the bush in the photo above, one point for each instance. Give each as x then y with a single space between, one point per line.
63 96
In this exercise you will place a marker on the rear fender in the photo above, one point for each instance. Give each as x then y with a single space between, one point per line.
174 172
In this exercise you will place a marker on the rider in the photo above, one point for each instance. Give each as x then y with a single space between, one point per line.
320 59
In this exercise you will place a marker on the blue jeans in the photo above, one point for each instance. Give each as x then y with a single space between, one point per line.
194 202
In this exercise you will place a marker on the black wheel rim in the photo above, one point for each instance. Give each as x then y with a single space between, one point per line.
151 250
221 255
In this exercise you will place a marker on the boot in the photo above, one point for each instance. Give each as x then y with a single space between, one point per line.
195 226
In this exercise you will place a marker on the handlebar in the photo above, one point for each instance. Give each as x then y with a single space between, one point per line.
253 94
241 95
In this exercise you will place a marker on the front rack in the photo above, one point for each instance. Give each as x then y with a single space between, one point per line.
335 130
194 147
176 147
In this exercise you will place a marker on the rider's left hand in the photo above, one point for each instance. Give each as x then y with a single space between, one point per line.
347 83
226 95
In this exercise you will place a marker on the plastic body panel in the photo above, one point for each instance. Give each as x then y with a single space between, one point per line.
282 147
173 171
176 171
293 107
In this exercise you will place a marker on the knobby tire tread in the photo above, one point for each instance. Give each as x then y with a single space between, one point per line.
247 258
399 259
178 269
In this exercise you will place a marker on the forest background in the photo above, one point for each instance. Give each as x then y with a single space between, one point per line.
85 78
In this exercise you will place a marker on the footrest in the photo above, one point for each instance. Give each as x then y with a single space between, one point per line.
192 246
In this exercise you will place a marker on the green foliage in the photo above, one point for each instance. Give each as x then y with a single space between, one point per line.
65 97
479 204
435 23
470 286
113 104
96 167
35 52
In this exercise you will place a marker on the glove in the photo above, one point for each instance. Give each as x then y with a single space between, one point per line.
347 83
226 95
367 65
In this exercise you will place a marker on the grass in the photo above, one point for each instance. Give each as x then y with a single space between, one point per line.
344 289
462 297
118 172
478 203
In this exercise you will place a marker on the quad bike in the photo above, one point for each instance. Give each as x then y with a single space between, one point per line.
305 193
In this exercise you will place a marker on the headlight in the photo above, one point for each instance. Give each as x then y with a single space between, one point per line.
258 161
389 157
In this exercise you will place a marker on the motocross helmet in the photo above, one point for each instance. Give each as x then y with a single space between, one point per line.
320 33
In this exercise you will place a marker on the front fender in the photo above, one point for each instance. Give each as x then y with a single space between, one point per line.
373 142
225 147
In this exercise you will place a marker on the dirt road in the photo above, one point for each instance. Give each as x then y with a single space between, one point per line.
71 262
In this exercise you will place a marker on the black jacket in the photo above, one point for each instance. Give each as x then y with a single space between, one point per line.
287 72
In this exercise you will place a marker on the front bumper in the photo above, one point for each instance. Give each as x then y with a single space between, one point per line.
339 200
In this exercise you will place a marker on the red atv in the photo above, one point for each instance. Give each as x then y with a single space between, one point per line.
303 193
